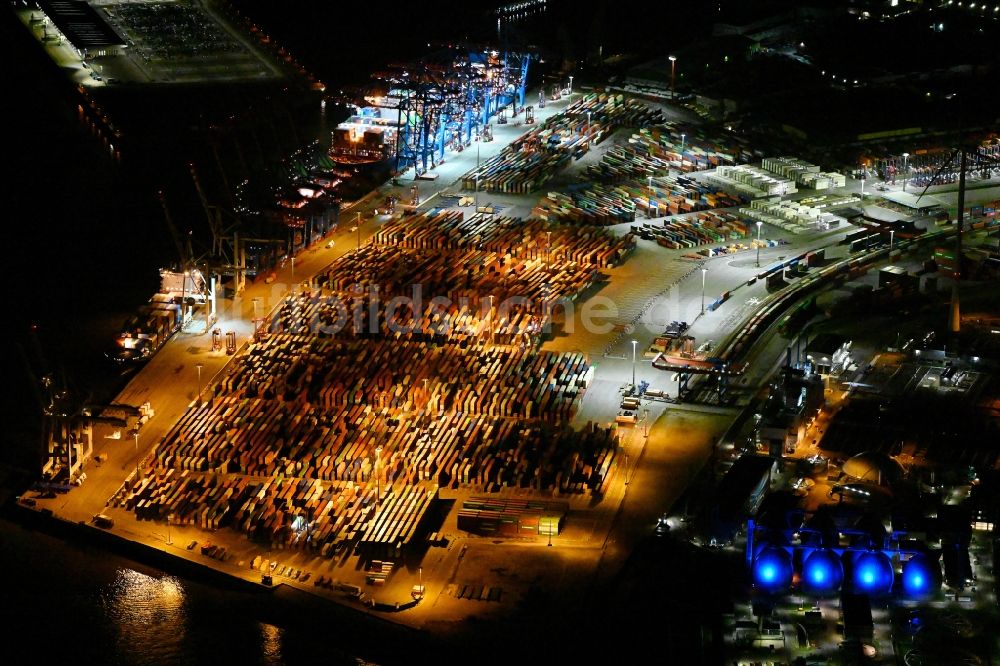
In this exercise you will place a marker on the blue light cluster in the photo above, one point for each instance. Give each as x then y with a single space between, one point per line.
821 569
822 572
921 576
772 570
872 573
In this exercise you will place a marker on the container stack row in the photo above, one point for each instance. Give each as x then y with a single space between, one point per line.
627 163
511 516
421 452
796 216
595 205
286 513
529 162
688 231
687 148
829 202
409 375
752 181
804 173
327 438
526 240
613 204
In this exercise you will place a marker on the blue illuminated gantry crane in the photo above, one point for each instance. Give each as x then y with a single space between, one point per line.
445 99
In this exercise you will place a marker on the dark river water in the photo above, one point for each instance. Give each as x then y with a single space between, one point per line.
66 601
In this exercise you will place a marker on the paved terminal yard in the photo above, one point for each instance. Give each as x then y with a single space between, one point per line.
463 574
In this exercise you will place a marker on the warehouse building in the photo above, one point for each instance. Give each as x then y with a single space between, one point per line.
738 497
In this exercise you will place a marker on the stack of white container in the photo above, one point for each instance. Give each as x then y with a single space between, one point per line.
829 202
804 173
750 180
785 215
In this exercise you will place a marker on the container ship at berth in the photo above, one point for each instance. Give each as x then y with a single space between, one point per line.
146 330
364 139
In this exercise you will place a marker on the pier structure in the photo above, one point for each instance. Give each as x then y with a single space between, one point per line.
445 100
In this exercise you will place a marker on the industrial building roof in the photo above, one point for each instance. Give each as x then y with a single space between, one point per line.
81 24
826 344
741 481
873 467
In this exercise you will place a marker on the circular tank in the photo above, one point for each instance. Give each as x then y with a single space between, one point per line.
872 573
921 576
772 570
822 572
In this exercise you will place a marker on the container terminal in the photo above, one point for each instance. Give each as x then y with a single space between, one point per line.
577 333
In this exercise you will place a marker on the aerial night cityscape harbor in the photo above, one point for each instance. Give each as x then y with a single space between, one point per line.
533 332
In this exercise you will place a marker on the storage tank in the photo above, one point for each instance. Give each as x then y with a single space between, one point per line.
921 576
822 572
772 570
871 573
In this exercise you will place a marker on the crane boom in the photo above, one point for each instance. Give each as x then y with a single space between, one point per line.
214 219
184 256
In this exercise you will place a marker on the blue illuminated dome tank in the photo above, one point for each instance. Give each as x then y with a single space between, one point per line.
822 572
921 576
872 573
772 570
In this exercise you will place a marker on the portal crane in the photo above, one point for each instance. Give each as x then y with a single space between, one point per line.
976 158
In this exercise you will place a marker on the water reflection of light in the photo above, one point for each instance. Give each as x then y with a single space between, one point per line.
149 612
272 642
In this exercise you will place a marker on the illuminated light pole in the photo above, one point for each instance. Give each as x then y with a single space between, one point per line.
759 225
199 367
359 229
892 232
634 343
570 84
905 158
704 272
588 122
184 283
673 71
683 136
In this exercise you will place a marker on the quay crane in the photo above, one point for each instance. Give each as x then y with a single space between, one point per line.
443 100
66 421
